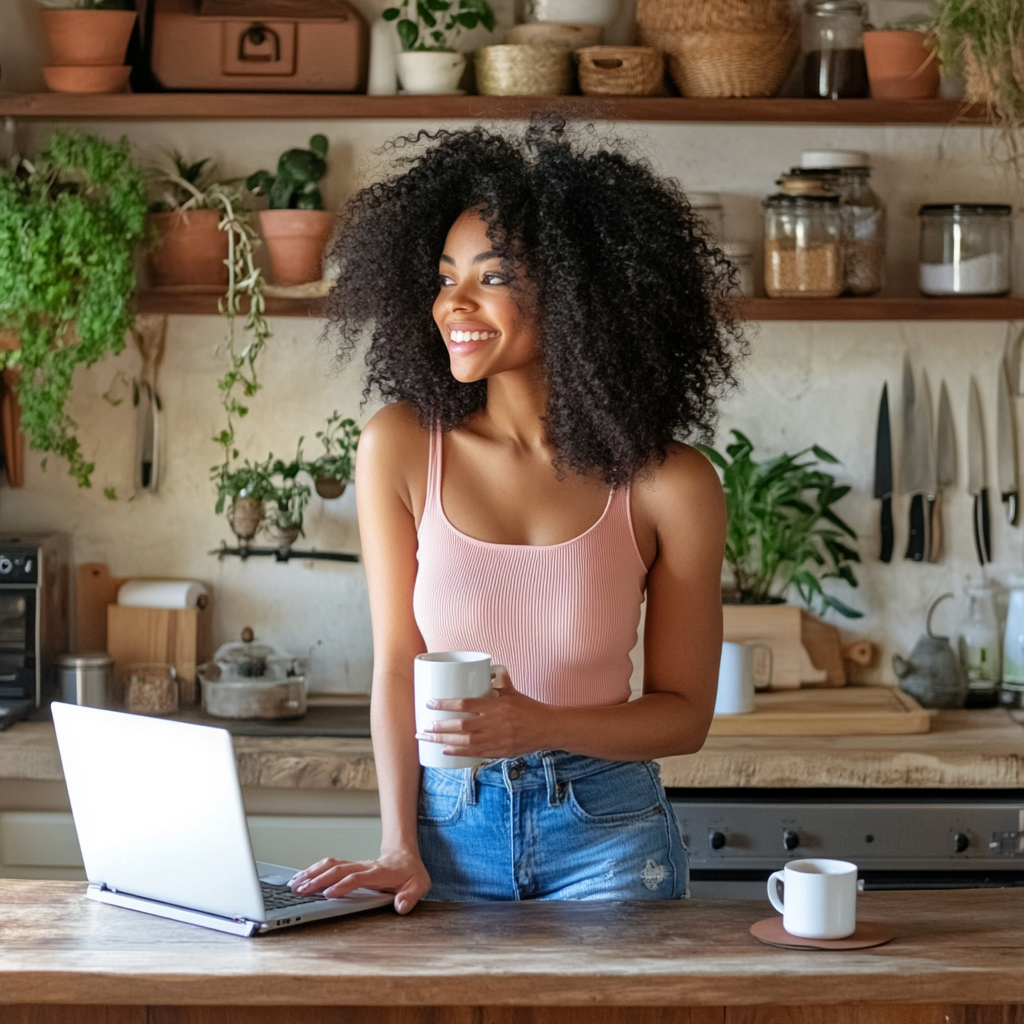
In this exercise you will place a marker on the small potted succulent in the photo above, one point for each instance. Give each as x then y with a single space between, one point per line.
287 501
332 471
901 64
427 31
88 40
296 227
247 487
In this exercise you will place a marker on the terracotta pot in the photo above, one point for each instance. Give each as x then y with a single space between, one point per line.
87 78
88 37
328 488
192 250
296 240
901 66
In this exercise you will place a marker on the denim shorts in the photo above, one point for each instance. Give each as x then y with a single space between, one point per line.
550 826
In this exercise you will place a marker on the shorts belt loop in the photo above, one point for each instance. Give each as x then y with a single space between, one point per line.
555 789
470 785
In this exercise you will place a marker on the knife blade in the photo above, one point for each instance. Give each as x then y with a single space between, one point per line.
883 475
924 431
976 484
914 466
1006 447
945 471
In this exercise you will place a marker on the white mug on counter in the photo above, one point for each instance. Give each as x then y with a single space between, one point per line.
448 675
819 898
736 678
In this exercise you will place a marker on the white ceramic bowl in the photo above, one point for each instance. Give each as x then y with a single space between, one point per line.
430 72
574 12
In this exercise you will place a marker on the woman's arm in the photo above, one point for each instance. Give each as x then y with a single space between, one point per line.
680 512
388 448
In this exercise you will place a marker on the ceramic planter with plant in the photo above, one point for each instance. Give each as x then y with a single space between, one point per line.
427 31
332 471
783 533
243 489
88 40
82 199
901 64
286 505
296 227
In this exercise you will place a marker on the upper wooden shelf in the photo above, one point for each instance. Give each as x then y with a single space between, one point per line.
329 106
199 304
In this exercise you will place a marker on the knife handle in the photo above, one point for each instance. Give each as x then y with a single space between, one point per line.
936 547
1012 508
917 541
976 517
888 532
986 525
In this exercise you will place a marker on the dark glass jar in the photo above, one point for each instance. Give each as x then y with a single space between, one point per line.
833 46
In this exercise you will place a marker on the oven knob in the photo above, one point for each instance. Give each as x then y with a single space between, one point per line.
960 842
790 839
716 840
6 565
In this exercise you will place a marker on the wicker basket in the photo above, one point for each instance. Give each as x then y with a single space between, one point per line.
722 47
550 33
509 70
981 84
621 71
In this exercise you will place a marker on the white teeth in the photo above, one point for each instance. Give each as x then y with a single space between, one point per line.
475 336
461 336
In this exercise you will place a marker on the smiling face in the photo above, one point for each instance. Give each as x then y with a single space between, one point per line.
486 330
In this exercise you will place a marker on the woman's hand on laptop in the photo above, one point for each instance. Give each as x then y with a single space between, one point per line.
399 872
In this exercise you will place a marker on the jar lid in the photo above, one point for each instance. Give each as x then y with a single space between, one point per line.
957 208
89 659
781 198
704 200
825 7
834 159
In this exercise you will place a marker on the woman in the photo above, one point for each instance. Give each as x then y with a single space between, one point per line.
547 321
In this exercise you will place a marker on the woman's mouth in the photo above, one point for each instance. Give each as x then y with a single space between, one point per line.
467 337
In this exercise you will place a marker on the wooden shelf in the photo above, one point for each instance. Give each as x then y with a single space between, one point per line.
330 106
204 304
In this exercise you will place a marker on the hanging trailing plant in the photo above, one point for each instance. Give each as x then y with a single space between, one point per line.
70 222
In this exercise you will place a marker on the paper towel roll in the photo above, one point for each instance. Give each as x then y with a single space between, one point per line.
163 594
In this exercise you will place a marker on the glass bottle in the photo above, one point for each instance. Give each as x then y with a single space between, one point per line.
979 649
833 45
803 254
1013 651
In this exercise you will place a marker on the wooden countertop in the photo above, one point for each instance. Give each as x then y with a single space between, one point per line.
965 749
959 947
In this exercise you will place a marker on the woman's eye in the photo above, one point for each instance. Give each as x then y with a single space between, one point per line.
494 279
444 281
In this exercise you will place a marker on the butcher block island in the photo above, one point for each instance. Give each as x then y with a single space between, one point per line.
957 957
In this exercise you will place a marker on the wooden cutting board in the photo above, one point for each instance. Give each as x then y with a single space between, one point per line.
849 711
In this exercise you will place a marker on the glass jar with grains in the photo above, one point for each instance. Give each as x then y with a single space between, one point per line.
803 247
833 45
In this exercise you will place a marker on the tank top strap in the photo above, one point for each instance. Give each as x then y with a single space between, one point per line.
434 469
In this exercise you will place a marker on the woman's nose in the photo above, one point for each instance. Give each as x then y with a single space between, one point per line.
460 299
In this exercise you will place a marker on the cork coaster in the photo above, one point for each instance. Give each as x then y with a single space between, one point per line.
866 935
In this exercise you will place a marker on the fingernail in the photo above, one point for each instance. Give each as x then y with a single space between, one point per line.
294 878
432 704
403 906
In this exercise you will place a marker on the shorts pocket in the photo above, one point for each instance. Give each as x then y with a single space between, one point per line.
625 794
442 796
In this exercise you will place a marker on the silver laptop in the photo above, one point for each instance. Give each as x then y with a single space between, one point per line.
159 815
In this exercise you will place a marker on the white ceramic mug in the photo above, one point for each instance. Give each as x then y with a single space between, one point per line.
448 675
736 678
820 898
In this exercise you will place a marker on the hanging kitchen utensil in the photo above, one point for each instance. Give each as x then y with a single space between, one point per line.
1006 448
945 466
883 474
976 484
914 459
924 432
150 334
1012 357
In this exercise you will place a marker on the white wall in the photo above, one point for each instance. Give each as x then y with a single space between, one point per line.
804 383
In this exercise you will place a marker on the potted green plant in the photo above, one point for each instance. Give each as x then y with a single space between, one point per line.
246 487
296 227
332 471
287 500
783 532
901 64
88 40
427 31
70 224
984 41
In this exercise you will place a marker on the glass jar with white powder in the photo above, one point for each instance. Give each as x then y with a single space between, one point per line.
965 249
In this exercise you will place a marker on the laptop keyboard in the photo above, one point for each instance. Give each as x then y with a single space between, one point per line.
276 897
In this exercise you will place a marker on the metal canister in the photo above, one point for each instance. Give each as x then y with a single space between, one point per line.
86 679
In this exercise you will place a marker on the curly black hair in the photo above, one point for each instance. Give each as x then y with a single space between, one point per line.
636 327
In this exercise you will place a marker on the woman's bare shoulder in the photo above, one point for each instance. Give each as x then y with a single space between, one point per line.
393 450
683 489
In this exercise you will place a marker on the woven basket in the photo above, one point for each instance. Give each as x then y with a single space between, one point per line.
981 85
509 70
727 63
550 33
772 17
621 71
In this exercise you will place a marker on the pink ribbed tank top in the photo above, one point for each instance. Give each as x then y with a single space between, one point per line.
562 618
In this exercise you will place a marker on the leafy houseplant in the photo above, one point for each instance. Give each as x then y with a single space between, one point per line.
70 223
296 227
332 471
783 532
288 499
247 487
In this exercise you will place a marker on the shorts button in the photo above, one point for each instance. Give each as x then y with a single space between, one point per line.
514 772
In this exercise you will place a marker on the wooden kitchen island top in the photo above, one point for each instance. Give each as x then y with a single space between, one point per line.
957 957
964 749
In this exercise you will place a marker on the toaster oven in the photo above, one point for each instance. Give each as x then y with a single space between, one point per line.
258 45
